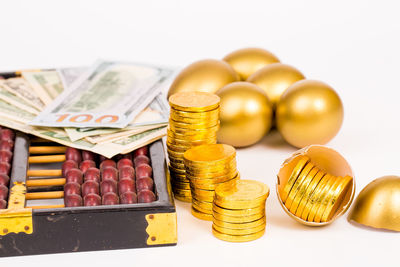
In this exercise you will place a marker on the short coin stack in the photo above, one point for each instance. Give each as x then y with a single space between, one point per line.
239 210
208 166
194 120
312 194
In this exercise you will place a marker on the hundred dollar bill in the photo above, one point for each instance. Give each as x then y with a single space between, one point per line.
69 75
156 114
14 113
110 94
108 150
21 88
16 101
46 84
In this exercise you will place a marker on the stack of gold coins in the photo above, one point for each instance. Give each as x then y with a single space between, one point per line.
239 210
312 194
208 166
194 120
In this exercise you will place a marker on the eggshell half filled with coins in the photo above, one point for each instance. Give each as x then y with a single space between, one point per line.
327 161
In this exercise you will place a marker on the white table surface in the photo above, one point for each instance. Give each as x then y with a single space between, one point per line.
351 45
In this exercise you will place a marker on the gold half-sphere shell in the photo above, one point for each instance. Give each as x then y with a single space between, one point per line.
246 61
378 204
206 75
309 112
325 159
245 114
275 78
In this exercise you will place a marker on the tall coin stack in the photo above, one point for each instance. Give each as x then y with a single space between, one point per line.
239 210
208 166
194 120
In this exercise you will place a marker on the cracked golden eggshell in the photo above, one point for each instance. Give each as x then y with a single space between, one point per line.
206 75
309 112
247 61
326 159
245 114
378 204
275 78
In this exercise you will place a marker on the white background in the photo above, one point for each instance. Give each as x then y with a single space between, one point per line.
351 45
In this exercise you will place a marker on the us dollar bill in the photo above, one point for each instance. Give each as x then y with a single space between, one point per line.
110 94
16 101
21 88
46 84
69 75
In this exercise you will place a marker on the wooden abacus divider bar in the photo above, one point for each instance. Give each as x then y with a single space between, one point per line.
47 149
45 182
47 206
44 195
46 159
44 173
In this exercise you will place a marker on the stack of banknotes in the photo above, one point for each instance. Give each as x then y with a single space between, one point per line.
109 108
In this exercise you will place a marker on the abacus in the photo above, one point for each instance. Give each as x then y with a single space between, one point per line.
53 207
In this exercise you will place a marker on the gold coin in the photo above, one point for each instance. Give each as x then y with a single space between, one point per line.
194 132
195 115
179 179
176 170
213 186
202 192
193 126
199 208
239 212
302 190
177 148
295 188
173 154
205 205
201 215
207 153
213 177
245 225
337 197
237 219
177 118
217 168
183 198
183 192
177 165
203 198
322 201
309 191
196 181
191 143
175 160
325 200
303 160
247 231
191 138
241 194
238 238
319 194
194 101
314 196
180 186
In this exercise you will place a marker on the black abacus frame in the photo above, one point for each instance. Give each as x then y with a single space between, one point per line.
72 229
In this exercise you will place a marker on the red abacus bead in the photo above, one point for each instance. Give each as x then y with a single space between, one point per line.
124 162
146 196
127 172
73 154
128 198
92 200
3 204
7 145
92 174
3 192
86 164
67 165
4 179
88 155
74 176
127 156
7 134
144 183
141 151
143 170
110 198
72 200
5 168
107 163
109 173
90 187
141 159
5 156
108 186
72 189
126 185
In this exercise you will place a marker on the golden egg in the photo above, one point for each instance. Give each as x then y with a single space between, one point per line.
207 75
274 79
309 112
378 204
246 61
245 114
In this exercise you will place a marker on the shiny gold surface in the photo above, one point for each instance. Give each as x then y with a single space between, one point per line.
309 112
237 238
207 75
274 79
378 204
162 228
193 101
245 115
302 161
205 154
246 61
